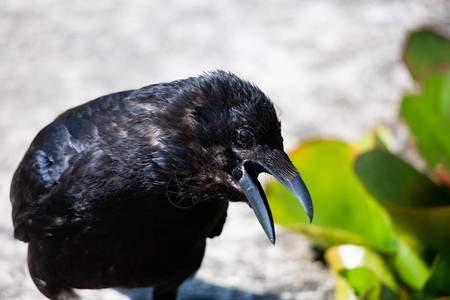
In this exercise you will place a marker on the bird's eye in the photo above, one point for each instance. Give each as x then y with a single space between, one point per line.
245 137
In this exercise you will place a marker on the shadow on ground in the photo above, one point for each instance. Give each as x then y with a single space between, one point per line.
196 289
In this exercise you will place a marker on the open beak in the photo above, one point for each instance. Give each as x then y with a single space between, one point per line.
276 163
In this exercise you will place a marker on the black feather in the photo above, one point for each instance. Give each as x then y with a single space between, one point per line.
123 191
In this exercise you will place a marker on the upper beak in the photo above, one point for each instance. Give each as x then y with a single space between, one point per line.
277 163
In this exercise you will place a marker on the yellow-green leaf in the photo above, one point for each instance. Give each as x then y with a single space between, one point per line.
340 201
410 267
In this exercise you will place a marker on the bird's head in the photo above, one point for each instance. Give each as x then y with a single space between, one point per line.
233 132
239 119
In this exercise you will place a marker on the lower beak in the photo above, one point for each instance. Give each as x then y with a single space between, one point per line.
276 163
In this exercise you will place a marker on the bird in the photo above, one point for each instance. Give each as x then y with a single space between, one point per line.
124 190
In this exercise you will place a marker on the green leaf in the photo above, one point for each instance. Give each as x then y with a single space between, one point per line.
419 208
426 53
428 117
439 283
343 290
410 267
372 293
325 236
378 138
367 267
361 279
343 210
391 180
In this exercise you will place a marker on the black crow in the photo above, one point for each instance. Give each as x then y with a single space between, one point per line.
124 190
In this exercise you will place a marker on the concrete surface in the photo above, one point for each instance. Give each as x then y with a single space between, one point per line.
332 67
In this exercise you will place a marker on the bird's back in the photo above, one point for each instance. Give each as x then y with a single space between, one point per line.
52 159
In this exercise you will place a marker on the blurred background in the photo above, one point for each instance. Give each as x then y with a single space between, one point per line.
333 68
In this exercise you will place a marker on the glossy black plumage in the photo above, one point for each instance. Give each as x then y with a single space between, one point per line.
124 190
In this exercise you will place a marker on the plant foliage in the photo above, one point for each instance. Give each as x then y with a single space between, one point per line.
384 225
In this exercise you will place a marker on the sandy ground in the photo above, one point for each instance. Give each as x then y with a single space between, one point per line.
332 67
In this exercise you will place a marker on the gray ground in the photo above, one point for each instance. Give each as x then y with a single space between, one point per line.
332 67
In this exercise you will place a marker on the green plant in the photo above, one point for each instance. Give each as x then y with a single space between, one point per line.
385 225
